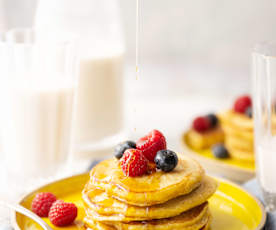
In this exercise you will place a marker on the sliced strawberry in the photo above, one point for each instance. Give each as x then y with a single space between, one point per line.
151 144
134 163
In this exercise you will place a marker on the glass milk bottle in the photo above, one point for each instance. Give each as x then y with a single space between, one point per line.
99 117
264 91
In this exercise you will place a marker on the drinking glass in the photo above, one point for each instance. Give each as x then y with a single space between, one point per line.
37 97
264 97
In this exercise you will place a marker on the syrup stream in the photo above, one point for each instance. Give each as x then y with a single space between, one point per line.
138 11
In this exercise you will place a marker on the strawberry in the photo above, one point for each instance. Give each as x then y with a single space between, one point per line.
62 213
134 163
151 144
242 104
201 124
42 203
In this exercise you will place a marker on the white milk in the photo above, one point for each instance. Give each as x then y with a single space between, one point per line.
266 154
37 117
99 121
99 105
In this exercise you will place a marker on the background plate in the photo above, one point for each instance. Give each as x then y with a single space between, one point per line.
231 169
231 206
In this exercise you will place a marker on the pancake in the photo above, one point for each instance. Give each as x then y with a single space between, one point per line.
204 140
237 120
194 219
101 226
239 144
239 154
242 134
147 190
110 209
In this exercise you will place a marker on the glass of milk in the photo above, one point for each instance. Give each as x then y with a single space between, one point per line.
264 93
37 98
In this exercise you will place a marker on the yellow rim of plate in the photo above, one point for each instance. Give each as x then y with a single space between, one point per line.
259 227
230 167
259 203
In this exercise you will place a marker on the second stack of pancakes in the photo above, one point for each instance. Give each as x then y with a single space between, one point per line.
239 136
174 200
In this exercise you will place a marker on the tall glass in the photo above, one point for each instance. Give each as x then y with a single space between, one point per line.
37 97
264 91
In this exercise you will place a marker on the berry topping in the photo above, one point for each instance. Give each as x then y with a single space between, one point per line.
201 124
134 163
249 112
42 203
122 147
151 144
219 151
212 119
62 213
242 103
166 160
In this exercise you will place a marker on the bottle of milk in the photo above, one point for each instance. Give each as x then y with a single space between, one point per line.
99 116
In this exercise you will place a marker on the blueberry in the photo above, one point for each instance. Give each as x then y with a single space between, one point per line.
166 160
122 147
219 151
249 112
213 119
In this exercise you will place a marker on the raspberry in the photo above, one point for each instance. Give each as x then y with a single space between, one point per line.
242 104
62 213
151 144
134 163
42 203
201 124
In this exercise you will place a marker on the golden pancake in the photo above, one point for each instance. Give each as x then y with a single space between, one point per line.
147 190
194 219
208 225
204 140
237 120
101 226
110 209
242 134
239 154
240 144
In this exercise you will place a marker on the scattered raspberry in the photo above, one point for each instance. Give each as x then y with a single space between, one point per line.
242 104
201 124
62 213
42 203
134 163
151 144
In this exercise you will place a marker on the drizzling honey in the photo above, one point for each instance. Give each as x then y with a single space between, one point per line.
137 48
138 24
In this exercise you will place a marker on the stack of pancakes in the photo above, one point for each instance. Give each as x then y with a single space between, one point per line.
160 200
239 136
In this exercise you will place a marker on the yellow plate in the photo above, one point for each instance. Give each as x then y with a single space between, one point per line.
231 206
232 169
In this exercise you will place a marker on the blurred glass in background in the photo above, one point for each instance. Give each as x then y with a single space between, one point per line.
37 98
264 91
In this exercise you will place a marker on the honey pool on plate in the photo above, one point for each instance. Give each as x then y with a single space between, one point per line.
231 207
